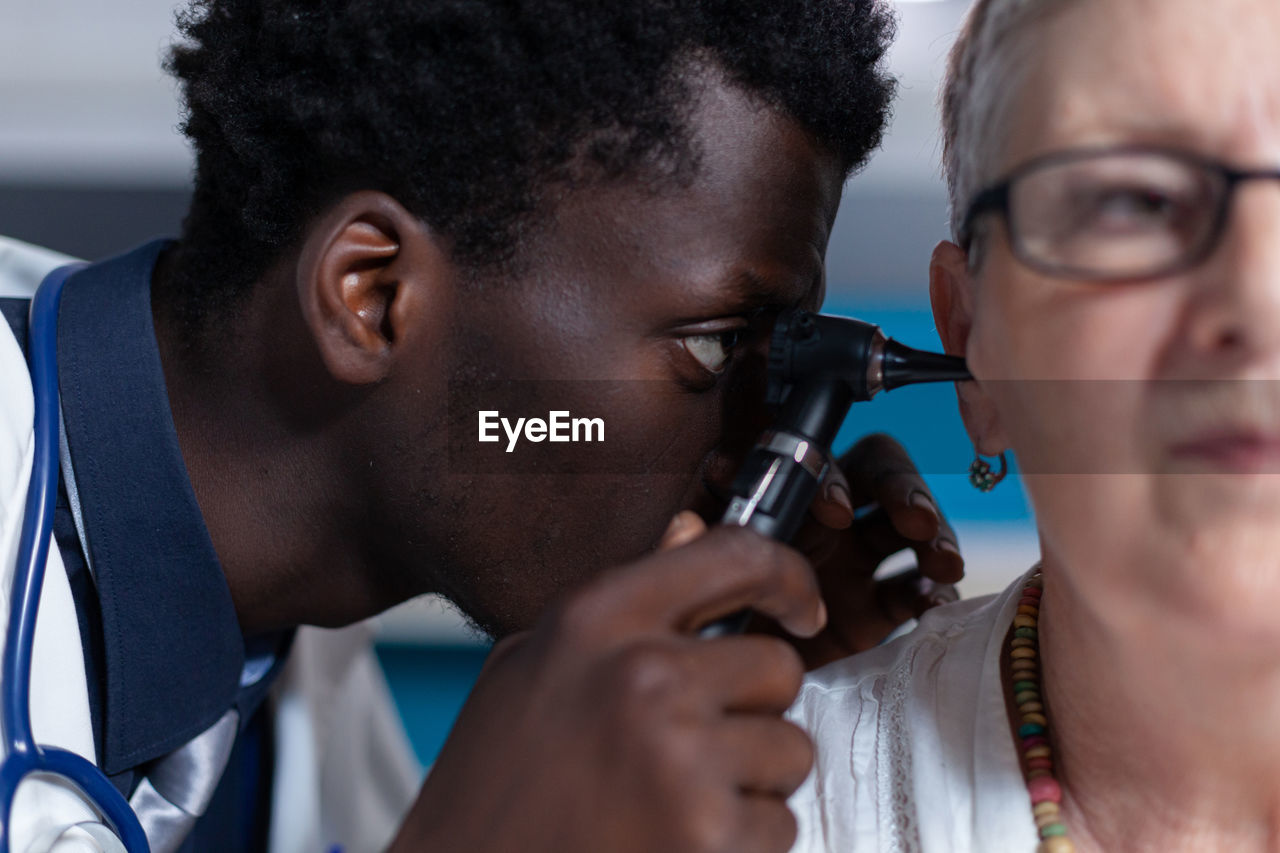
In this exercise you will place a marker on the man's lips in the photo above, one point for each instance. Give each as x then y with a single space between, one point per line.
1239 451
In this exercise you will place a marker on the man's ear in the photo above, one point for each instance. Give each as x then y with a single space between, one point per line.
952 297
368 271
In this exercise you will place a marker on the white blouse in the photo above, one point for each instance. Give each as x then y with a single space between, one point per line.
914 751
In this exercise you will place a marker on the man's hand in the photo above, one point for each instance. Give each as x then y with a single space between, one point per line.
895 511
874 505
613 726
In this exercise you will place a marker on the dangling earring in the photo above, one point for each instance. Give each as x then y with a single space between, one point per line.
981 475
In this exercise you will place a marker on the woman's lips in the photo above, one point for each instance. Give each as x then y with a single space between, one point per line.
1232 451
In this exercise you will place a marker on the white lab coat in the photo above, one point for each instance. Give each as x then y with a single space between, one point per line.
344 770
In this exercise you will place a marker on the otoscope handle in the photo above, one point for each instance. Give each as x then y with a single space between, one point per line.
772 492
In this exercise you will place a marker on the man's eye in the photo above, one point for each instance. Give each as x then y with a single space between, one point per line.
713 350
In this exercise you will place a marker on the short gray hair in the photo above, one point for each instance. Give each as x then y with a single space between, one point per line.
977 93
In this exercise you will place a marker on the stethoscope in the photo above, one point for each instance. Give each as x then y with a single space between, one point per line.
23 755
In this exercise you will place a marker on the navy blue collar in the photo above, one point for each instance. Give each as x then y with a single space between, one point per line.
173 652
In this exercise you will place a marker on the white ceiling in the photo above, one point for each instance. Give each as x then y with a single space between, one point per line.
83 99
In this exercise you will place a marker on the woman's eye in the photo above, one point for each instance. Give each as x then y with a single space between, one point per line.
1143 204
1132 208
712 350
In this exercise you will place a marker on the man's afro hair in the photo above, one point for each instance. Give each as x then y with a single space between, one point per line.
467 111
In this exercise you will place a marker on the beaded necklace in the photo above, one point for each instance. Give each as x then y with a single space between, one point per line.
1033 726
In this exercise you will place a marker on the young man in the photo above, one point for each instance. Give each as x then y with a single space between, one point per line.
588 208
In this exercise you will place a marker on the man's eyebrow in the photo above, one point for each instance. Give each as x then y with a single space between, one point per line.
754 291
746 291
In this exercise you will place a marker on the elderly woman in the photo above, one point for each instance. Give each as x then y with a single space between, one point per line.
1115 286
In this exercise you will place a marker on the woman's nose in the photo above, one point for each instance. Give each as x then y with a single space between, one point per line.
1236 309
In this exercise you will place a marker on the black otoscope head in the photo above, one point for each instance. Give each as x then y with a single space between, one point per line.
819 366
807 347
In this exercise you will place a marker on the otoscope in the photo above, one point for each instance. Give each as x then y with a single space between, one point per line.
819 366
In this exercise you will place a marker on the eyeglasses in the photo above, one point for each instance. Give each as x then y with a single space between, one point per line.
1113 214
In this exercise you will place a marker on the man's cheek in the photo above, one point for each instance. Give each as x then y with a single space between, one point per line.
589 524
604 491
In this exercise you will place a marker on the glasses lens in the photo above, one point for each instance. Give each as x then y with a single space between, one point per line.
1114 216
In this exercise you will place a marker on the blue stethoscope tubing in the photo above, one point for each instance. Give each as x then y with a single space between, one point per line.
24 756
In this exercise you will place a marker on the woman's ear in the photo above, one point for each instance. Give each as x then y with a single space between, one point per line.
950 296
951 293
369 274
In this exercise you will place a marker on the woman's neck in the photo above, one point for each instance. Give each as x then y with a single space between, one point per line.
1164 739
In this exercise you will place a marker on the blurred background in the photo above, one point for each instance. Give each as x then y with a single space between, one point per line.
91 163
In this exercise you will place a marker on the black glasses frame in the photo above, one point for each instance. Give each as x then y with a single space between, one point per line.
996 199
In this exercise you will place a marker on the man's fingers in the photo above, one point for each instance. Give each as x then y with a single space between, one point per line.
818 542
879 469
766 825
683 529
722 572
907 595
755 573
750 674
940 560
833 506
766 755
878 538
897 486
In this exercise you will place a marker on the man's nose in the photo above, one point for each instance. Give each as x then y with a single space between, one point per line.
1235 313
745 416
